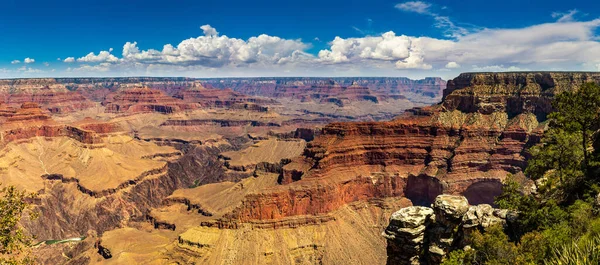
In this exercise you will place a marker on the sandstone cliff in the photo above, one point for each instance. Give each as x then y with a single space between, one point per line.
513 93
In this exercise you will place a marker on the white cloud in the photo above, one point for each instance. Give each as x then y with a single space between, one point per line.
103 56
415 6
29 70
29 60
565 16
551 46
498 68
15 62
46 64
403 51
209 31
211 50
69 60
452 65
102 67
442 22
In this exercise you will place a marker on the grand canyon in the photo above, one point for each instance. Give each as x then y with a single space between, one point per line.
263 170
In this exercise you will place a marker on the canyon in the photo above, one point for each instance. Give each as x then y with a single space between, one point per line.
261 170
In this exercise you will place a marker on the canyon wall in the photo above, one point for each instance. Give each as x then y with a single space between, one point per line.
466 145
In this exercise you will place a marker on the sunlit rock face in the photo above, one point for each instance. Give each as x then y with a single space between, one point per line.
423 235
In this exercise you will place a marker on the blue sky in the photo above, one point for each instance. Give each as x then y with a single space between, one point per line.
306 38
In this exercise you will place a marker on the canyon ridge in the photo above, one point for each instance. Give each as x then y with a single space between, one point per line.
265 170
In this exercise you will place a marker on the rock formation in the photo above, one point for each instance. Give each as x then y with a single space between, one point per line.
144 100
513 93
223 98
161 189
53 101
432 151
422 235
428 90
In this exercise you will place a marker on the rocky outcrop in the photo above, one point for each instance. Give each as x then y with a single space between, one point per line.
144 100
513 93
423 235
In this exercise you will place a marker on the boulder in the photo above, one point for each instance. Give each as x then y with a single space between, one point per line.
423 235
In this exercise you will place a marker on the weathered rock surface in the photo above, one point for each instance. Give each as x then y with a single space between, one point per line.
30 121
513 93
144 100
62 101
450 148
422 235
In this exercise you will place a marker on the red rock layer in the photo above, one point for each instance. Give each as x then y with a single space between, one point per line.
466 145
428 158
98 126
318 198
53 101
31 121
145 100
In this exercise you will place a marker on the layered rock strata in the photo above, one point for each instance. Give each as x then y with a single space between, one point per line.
31 121
450 148
513 93
428 90
145 100
53 101
224 98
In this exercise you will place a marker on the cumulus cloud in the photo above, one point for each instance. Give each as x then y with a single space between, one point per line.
208 30
29 60
46 64
452 65
562 45
212 50
403 51
15 62
103 56
69 60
